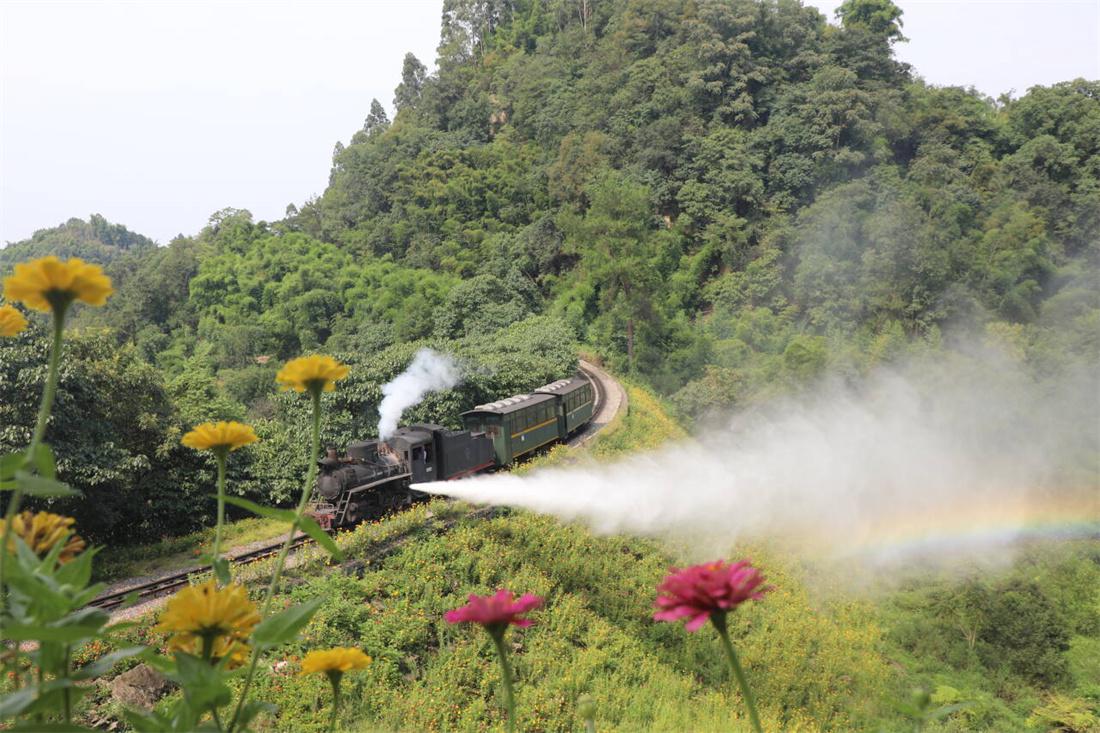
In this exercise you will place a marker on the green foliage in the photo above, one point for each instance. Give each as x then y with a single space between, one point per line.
95 240
118 444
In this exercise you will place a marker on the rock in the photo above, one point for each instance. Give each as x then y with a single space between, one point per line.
140 687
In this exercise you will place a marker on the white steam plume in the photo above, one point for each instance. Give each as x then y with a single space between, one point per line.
846 473
429 371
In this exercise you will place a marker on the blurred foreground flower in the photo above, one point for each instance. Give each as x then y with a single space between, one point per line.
495 613
221 438
43 530
334 662
311 373
12 322
224 646
700 591
710 591
48 284
220 435
500 609
200 616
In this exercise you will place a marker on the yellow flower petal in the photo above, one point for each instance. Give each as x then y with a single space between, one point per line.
203 611
340 659
225 646
12 322
48 283
311 372
209 436
43 530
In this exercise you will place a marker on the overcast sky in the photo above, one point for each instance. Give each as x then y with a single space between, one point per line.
156 115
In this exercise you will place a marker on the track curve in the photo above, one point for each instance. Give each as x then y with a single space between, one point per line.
610 400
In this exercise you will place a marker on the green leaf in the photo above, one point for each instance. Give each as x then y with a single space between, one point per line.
9 464
44 461
159 662
321 537
251 710
285 515
203 685
78 571
16 702
77 626
44 487
104 664
221 570
284 626
27 698
150 722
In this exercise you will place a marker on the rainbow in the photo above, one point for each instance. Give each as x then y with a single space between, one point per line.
980 526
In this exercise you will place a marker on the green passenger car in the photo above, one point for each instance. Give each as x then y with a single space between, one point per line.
575 403
517 425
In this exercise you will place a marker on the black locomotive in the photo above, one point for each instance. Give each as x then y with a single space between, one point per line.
374 476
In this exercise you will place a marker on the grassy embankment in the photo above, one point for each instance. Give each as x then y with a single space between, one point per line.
818 661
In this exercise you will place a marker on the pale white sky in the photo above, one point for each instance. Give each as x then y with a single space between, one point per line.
158 114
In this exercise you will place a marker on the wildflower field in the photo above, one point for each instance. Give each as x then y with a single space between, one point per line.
574 639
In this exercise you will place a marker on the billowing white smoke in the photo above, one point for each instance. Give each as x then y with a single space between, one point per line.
840 473
429 371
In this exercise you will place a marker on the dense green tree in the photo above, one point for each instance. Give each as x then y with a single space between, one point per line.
879 17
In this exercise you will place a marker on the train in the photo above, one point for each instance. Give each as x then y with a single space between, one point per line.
374 476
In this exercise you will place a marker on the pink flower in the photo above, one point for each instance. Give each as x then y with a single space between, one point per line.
495 611
702 590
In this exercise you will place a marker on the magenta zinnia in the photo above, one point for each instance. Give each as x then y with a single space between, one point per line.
497 610
702 590
709 592
495 613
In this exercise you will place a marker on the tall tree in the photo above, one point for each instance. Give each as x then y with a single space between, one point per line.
413 74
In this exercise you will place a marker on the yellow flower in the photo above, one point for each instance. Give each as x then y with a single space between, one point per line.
338 660
12 321
43 530
201 612
49 284
212 436
310 373
238 652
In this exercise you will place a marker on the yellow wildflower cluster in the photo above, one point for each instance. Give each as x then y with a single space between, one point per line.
12 322
49 284
340 659
212 436
43 530
311 373
201 612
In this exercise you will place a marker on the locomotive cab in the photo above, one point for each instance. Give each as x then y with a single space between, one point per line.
415 445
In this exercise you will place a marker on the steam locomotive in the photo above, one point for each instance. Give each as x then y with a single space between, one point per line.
374 476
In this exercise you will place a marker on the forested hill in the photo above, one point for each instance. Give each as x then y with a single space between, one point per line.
728 198
95 240
725 193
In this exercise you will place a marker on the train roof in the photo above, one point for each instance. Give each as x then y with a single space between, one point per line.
511 404
563 386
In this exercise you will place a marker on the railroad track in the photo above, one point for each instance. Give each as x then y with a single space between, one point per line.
597 386
144 592
137 594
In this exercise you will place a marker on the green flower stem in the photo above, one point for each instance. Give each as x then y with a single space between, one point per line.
311 474
334 679
67 692
220 454
506 673
44 408
719 621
